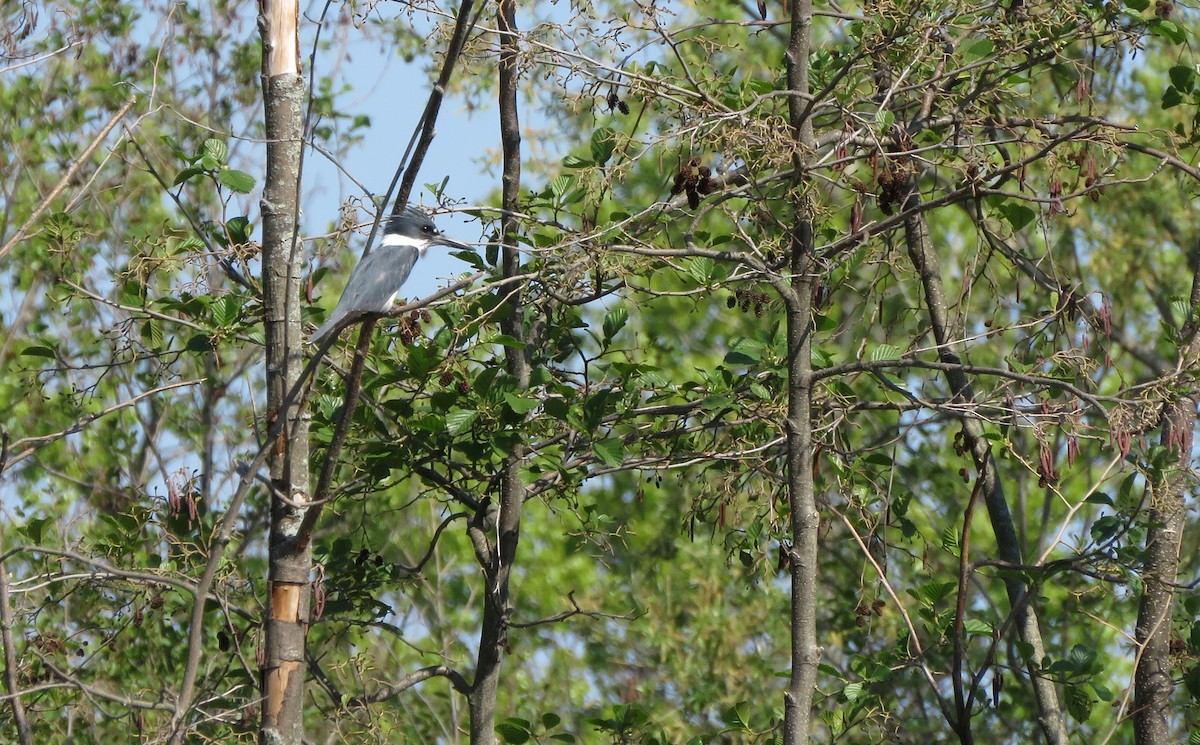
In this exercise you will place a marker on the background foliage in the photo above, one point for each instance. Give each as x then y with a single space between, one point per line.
1047 152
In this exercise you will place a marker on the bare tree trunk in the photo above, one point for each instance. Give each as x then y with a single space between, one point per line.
499 559
290 560
798 298
1152 686
925 260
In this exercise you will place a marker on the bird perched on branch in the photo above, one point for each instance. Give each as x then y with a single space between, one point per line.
375 282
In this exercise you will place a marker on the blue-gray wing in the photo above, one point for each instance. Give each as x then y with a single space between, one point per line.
372 286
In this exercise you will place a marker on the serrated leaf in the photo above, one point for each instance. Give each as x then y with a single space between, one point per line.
471 258
520 405
152 333
701 268
614 321
853 691
1079 703
604 141
611 452
215 150
187 174
1169 30
238 181
882 352
550 720
238 229
574 161
977 627
1083 657
460 420
226 310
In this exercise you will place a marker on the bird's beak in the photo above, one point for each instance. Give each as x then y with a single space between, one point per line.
442 240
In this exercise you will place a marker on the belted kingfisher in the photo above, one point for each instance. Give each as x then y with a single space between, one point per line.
376 280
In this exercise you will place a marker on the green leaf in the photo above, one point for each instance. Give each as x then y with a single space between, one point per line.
977 49
881 352
1183 77
214 150
471 258
187 174
35 528
520 405
39 351
1083 658
701 268
152 333
604 140
1167 29
1191 681
744 351
1079 702
1018 215
226 310
460 421
238 229
1100 498
513 732
1138 5
614 321
574 161
550 720
611 452
505 340
737 717
977 627
239 181
1171 98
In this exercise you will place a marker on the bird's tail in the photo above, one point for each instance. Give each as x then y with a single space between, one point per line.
324 330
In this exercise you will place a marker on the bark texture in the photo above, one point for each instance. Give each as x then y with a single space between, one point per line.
290 559
498 559
797 293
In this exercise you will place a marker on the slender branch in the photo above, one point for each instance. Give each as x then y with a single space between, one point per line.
12 683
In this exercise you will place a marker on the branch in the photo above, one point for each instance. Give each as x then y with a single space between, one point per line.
457 681
575 611
24 733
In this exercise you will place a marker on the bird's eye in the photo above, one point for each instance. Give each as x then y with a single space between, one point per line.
427 228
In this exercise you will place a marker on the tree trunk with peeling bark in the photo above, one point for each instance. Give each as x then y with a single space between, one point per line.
290 560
